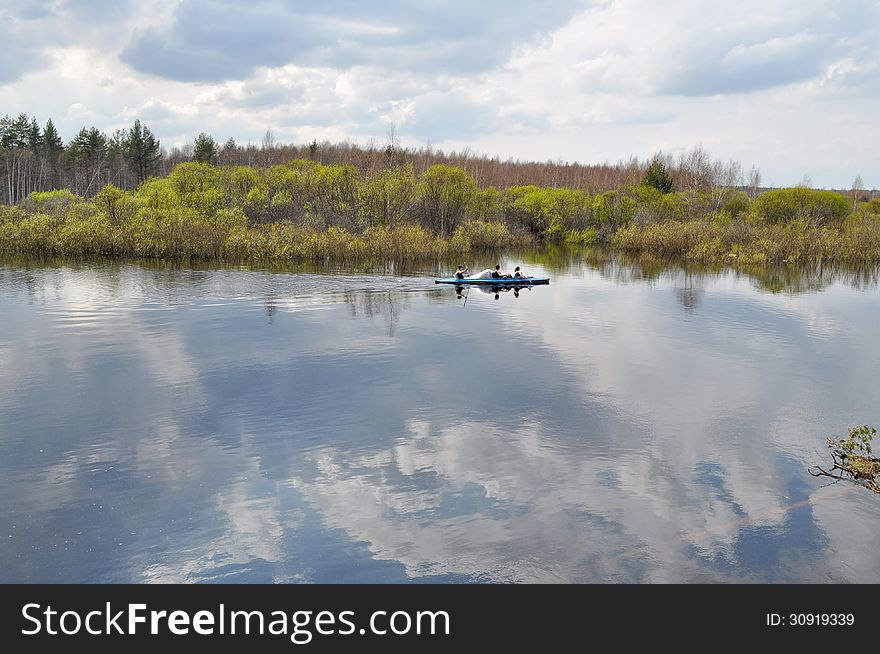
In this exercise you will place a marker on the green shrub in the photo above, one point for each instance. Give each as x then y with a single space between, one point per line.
547 212
388 198
871 207
114 203
581 237
612 211
481 235
54 203
656 177
784 205
736 203
33 233
198 186
445 193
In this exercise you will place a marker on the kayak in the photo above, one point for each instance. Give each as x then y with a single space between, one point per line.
495 281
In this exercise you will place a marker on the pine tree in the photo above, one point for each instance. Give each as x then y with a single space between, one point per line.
86 156
141 150
52 150
34 137
204 149
657 177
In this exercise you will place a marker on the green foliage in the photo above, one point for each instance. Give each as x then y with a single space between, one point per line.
657 177
852 456
256 199
389 197
86 157
55 203
158 195
483 235
581 237
14 132
82 237
304 210
871 206
141 150
488 204
445 193
736 203
549 213
198 186
32 234
88 144
788 204
720 238
651 206
51 140
230 218
335 199
612 211
115 204
529 207
859 440
204 149
237 182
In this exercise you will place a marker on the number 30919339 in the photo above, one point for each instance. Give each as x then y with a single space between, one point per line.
811 620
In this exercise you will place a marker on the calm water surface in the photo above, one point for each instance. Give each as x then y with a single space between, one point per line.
164 425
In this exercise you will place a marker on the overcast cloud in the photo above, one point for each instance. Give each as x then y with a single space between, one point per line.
792 87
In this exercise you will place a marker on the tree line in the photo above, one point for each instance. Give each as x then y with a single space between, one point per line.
34 158
305 210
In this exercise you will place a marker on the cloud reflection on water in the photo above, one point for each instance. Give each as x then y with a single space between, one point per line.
158 427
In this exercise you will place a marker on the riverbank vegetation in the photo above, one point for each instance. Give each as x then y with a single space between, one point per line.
124 198
852 457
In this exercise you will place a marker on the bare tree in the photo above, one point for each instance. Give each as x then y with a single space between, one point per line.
392 150
695 169
268 146
856 190
754 181
725 177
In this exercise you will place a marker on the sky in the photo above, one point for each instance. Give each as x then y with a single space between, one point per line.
791 86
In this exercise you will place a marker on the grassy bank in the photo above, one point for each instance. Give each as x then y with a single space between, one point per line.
304 211
229 238
856 241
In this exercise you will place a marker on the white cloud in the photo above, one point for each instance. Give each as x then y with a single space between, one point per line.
791 87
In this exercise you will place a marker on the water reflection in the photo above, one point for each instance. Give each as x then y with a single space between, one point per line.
229 425
462 291
689 291
789 279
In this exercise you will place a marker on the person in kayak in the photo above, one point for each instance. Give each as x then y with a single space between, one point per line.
462 272
497 274
517 274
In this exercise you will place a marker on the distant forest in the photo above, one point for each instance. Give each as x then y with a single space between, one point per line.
34 158
123 195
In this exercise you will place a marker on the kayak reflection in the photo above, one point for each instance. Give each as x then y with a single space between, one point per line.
461 292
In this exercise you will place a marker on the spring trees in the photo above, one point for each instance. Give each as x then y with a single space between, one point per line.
706 179
657 177
204 149
389 197
86 158
788 204
13 141
445 193
141 150
754 181
51 151
857 190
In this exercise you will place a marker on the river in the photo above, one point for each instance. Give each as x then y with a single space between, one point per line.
623 424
